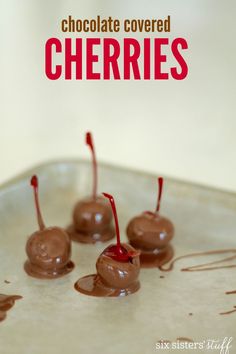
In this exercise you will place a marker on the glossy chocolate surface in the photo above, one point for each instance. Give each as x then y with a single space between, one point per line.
157 257
92 221
113 278
151 233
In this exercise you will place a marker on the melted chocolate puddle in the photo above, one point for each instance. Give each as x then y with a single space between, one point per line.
92 285
6 303
205 266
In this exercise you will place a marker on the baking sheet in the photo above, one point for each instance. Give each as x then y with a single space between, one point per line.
53 318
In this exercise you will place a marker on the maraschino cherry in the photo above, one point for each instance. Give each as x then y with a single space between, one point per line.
92 216
151 233
118 268
48 249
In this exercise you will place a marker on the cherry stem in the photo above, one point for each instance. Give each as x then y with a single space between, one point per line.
34 184
89 142
160 188
113 206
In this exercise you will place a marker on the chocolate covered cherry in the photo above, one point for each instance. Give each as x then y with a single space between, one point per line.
117 269
92 220
116 273
48 249
92 216
151 233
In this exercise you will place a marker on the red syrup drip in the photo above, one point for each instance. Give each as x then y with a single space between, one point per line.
34 184
118 252
89 142
160 189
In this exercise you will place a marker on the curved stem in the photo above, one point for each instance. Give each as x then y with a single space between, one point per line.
89 142
160 188
113 206
34 184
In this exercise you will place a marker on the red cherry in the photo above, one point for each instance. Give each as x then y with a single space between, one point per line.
111 251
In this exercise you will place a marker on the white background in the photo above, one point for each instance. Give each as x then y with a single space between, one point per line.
184 129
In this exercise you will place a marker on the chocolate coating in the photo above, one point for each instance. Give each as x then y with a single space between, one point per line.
49 252
113 278
156 258
151 233
117 274
92 221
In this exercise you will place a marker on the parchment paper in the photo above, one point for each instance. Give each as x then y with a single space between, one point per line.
53 318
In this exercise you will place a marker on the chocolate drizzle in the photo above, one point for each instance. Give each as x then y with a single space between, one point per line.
231 311
228 312
230 292
207 266
204 266
6 303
